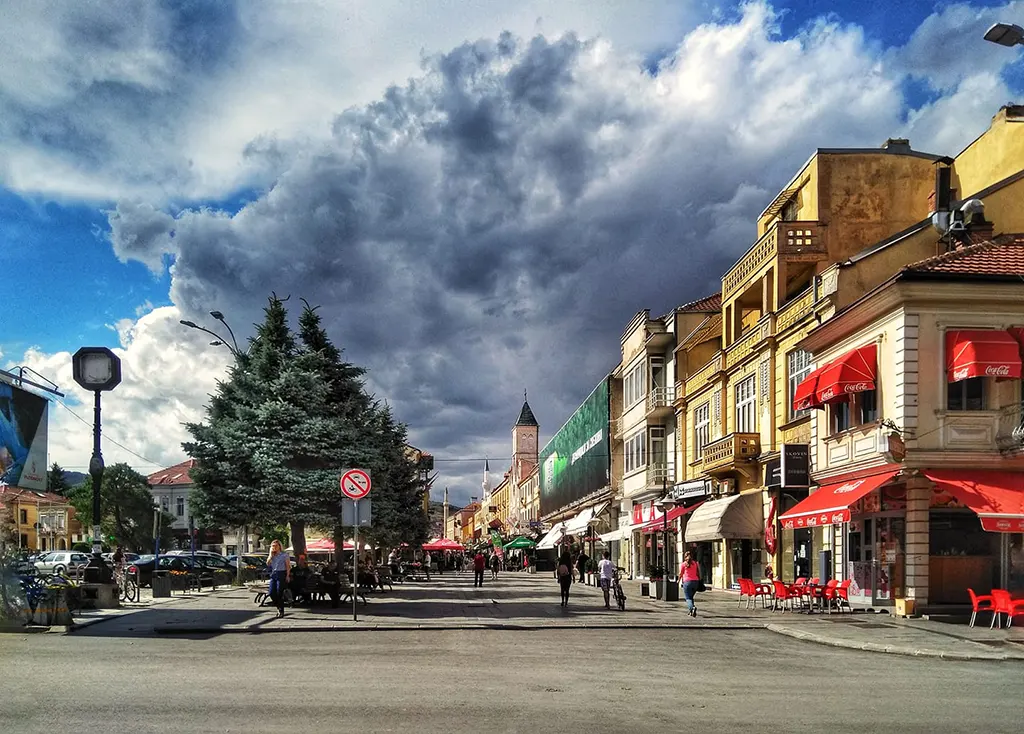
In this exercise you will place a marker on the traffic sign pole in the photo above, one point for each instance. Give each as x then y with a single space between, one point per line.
355 561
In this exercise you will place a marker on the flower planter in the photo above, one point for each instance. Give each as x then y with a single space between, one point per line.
659 588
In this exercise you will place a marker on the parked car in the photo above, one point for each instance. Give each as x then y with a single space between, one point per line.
128 557
248 561
144 566
61 562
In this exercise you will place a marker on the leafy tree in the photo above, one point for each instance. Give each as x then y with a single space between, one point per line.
127 508
56 482
8 528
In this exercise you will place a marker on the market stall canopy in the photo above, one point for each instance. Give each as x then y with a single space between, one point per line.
656 526
581 522
997 497
736 516
553 536
830 504
443 544
520 542
982 353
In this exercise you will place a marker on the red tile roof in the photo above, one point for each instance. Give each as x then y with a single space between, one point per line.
1001 257
29 496
706 304
177 474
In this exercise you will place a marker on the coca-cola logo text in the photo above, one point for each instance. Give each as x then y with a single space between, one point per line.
828 394
1002 370
858 387
848 487
961 374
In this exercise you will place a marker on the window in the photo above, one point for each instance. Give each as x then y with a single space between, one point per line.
799 366
966 394
659 449
746 406
701 429
636 451
23 517
857 410
634 387
180 509
165 504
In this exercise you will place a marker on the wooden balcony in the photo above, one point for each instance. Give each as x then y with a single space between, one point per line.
794 241
735 452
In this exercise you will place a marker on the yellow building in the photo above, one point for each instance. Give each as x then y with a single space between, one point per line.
845 223
43 521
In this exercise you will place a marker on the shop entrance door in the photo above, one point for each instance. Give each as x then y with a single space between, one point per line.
803 552
875 559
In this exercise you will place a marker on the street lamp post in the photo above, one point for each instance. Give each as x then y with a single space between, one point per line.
97 369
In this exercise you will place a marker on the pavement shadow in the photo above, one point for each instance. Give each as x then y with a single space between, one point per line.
147 623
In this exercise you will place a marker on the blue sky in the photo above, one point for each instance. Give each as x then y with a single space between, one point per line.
183 117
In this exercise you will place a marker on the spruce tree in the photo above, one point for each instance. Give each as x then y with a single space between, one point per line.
56 482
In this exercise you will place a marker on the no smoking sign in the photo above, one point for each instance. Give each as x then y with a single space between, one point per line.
355 483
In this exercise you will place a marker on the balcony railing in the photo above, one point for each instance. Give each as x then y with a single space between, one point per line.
794 240
796 309
742 347
657 474
660 398
1010 431
734 449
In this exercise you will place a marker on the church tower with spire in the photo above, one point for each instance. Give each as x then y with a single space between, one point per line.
525 451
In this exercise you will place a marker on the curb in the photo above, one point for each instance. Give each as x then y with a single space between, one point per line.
890 649
23 629
259 630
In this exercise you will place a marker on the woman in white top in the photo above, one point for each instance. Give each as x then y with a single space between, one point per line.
280 564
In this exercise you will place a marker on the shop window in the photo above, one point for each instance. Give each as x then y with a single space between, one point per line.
867 403
966 394
180 507
1015 563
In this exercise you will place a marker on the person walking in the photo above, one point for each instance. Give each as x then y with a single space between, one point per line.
563 572
427 561
280 564
495 566
606 572
479 564
689 572
581 566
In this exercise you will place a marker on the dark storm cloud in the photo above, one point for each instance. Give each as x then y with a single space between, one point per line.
492 225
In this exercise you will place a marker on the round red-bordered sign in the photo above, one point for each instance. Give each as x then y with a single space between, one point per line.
355 484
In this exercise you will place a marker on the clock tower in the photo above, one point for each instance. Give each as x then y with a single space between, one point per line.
525 451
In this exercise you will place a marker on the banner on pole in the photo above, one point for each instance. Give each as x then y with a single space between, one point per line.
496 542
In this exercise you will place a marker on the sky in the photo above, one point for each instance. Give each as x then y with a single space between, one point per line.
479 195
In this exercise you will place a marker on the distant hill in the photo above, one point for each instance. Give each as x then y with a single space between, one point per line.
74 478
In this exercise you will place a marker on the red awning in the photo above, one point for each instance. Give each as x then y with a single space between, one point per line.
997 497
656 526
982 353
806 395
853 372
830 504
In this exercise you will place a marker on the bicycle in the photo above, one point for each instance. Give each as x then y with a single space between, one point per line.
617 592
127 584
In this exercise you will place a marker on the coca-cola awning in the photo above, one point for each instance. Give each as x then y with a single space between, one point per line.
831 503
852 373
982 353
806 394
657 526
997 497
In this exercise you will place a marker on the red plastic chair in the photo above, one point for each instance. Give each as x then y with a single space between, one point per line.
841 595
1005 604
824 594
981 603
762 591
746 592
783 595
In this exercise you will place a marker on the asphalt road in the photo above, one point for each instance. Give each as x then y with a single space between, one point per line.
554 681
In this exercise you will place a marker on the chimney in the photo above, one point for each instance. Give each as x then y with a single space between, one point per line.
897 145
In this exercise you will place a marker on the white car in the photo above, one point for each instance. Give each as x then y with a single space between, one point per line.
61 562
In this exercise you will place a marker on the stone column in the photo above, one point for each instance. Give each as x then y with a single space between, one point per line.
919 492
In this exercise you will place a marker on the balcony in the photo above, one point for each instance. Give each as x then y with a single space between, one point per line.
660 402
735 452
679 399
658 474
740 349
703 376
794 241
1010 430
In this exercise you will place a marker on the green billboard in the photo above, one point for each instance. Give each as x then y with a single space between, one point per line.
577 460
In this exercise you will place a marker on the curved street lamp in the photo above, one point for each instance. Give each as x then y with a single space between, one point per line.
1005 34
220 341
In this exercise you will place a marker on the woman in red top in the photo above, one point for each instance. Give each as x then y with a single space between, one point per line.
479 564
689 572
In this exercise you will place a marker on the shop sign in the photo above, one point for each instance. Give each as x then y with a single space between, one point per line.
813 521
689 490
792 470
